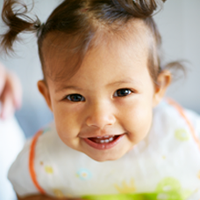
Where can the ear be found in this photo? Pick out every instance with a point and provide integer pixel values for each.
(42, 87)
(163, 81)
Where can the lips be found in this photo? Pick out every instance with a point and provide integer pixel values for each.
(104, 142)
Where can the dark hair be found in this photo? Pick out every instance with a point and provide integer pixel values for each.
(79, 21)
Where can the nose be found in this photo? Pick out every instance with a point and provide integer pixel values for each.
(100, 115)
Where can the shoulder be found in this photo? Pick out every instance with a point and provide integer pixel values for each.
(20, 171)
(173, 109)
(194, 119)
(168, 112)
(19, 174)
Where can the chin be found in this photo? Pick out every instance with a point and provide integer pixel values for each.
(102, 157)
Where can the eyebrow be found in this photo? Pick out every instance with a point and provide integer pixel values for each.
(128, 80)
(68, 87)
(122, 81)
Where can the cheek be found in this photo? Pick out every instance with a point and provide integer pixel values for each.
(138, 119)
(66, 119)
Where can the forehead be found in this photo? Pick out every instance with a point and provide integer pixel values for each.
(63, 55)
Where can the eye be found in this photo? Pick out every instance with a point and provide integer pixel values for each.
(75, 97)
(122, 92)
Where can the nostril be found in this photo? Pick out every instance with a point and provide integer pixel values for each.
(99, 122)
(100, 116)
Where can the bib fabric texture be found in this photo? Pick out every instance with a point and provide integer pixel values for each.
(164, 166)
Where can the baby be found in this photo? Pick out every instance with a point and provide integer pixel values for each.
(112, 137)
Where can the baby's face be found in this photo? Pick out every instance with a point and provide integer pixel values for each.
(106, 107)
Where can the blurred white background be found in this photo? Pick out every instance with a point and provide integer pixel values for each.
(180, 30)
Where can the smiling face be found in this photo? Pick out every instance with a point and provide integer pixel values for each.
(105, 108)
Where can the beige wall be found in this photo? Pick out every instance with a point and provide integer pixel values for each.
(180, 27)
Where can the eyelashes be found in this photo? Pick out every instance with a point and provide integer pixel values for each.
(78, 97)
(122, 92)
(75, 97)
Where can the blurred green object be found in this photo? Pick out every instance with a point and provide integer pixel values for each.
(167, 189)
(150, 196)
(144, 196)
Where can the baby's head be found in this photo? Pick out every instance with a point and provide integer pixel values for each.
(102, 74)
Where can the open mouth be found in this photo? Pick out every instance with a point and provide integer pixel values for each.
(104, 139)
(104, 142)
